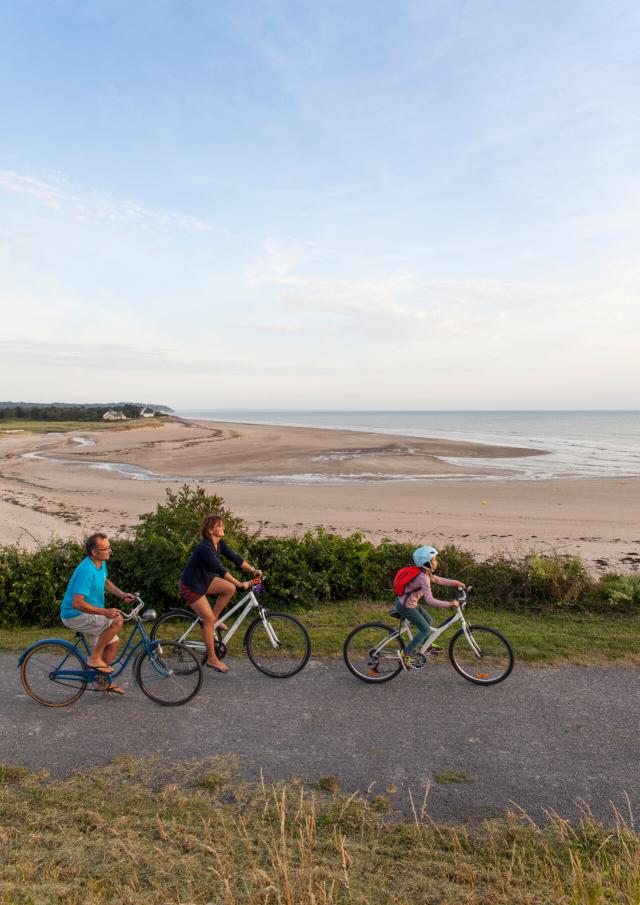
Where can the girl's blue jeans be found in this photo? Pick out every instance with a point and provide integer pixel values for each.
(421, 620)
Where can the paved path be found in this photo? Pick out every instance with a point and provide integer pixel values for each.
(544, 738)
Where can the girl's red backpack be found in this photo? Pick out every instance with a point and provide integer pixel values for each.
(403, 577)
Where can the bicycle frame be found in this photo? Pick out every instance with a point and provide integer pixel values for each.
(83, 650)
(249, 603)
(120, 663)
(405, 629)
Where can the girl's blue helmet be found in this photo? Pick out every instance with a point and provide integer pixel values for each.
(423, 556)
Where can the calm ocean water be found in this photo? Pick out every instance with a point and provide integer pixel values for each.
(577, 444)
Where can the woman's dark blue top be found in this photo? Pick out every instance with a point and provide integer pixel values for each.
(204, 564)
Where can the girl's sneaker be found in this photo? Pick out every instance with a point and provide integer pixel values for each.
(434, 650)
(405, 660)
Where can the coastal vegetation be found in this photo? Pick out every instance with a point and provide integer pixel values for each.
(21, 412)
(140, 832)
(36, 417)
(326, 575)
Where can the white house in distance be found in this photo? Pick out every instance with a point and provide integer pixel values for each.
(145, 413)
(114, 416)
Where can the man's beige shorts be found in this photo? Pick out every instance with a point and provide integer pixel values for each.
(90, 625)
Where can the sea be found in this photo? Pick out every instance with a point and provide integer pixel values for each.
(574, 444)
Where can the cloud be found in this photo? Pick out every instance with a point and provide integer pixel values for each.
(280, 257)
(157, 361)
(96, 207)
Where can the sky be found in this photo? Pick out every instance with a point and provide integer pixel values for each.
(321, 205)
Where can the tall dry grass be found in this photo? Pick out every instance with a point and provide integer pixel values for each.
(138, 834)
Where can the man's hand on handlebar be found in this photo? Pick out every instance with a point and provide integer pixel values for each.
(113, 613)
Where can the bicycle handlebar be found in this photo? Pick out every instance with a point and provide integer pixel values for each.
(134, 612)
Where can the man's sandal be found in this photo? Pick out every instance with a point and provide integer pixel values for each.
(115, 689)
(102, 670)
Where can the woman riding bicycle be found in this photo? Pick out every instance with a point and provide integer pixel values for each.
(407, 603)
(204, 574)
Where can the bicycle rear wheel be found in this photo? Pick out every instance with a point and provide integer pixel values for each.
(371, 652)
(45, 674)
(485, 660)
(280, 649)
(171, 675)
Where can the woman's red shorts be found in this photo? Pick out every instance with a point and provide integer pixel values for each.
(187, 594)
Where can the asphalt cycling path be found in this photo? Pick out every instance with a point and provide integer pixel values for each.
(552, 738)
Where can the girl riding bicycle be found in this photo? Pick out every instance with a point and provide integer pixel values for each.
(419, 587)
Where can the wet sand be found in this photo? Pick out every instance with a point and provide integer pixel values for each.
(598, 519)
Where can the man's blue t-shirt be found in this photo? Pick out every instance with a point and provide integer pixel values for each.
(88, 581)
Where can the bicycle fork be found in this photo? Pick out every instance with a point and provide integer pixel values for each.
(472, 642)
(271, 635)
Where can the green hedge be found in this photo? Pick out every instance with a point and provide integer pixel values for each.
(317, 567)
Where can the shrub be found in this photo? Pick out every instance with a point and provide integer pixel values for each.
(152, 562)
(32, 583)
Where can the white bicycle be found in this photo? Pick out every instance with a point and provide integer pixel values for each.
(478, 653)
(277, 644)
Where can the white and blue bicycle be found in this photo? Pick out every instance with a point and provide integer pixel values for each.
(478, 653)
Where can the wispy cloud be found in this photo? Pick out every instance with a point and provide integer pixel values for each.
(152, 361)
(96, 207)
(280, 257)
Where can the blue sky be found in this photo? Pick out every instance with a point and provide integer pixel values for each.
(320, 204)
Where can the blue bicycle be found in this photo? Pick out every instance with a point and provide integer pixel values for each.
(55, 672)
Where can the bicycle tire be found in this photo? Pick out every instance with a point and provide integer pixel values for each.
(284, 661)
(172, 626)
(37, 667)
(359, 652)
(497, 655)
(159, 675)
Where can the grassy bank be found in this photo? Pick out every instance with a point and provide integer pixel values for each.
(134, 834)
(47, 427)
(543, 639)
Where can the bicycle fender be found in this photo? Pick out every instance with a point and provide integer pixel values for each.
(59, 641)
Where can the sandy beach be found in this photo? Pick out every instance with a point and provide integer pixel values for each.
(42, 497)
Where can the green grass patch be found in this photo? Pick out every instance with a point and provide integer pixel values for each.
(453, 776)
(139, 834)
(538, 640)
(48, 427)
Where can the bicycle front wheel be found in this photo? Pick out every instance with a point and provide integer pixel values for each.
(485, 658)
(371, 652)
(53, 675)
(278, 645)
(171, 675)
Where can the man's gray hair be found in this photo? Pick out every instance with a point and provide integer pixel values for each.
(93, 540)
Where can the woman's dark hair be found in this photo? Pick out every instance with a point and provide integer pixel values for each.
(208, 524)
(92, 541)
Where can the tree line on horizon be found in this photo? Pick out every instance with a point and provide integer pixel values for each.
(64, 413)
